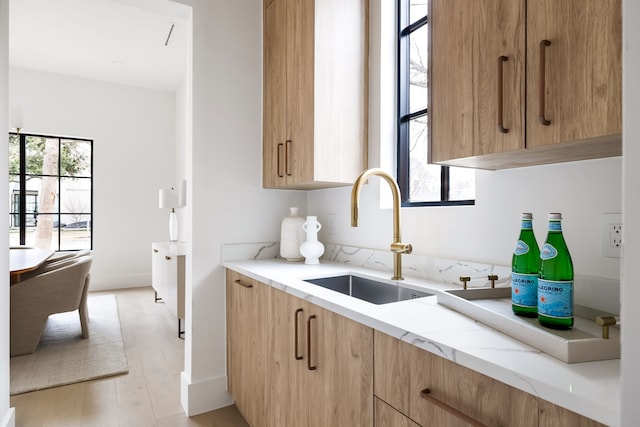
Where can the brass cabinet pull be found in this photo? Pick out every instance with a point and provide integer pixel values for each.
(278, 155)
(542, 83)
(501, 60)
(426, 395)
(288, 148)
(168, 258)
(244, 285)
(295, 321)
(155, 250)
(309, 366)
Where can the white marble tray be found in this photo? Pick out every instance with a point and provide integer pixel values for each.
(492, 307)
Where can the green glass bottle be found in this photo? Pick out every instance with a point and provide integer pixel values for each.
(555, 280)
(524, 270)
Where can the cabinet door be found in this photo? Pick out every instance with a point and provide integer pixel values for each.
(299, 141)
(157, 280)
(457, 395)
(274, 97)
(247, 355)
(477, 98)
(322, 372)
(169, 272)
(287, 399)
(340, 376)
(386, 416)
(582, 72)
(552, 415)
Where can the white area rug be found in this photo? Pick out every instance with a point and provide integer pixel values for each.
(64, 357)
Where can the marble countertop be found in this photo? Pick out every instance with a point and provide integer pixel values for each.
(589, 388)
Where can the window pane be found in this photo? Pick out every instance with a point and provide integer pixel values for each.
(417, 9)
(58, 180)
(14, 155)
(462, 184)
(424, 179)
(76, 195)
(76, 158)
(418, 69)
(42, 155)
(77, 232)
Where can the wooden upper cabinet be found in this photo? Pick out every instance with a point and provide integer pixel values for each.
(478, 101)
(582, 72)
(315, 92)
(477, 76)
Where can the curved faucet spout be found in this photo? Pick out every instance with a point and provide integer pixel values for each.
(397, 247)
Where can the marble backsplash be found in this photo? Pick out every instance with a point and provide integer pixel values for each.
(600, 293)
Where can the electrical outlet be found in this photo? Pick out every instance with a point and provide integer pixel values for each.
(615, 235)
(611, 235)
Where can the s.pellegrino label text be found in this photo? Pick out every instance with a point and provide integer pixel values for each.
(524, 290)
(555, 298)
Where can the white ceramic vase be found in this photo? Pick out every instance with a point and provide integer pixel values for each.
(291, 236)
(312, 249)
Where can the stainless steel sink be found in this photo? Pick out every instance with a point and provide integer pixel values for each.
(366, 289)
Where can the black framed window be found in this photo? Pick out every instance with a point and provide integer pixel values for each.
(421, 183)
(51, 192)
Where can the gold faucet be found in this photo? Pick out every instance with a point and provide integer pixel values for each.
(397, 247)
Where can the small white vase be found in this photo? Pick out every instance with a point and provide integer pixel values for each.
(312, 249)
(291, 236)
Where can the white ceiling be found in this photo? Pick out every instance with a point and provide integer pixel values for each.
(120, 41)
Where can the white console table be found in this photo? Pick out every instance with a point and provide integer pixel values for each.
(167, 277)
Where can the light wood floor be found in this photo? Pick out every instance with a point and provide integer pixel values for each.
(149, 395)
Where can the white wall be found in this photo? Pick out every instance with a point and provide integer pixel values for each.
(226, 203)
(7, 415)
(630, 293)
(486, 232)
(134, 137)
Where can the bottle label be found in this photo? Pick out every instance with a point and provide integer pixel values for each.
(527, 224)
(548, 252)
(521, 248)
(524, 290)
(555, 226)
(555, 298)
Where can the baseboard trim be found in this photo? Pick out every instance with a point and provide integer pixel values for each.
(203, 396)
(9, 419)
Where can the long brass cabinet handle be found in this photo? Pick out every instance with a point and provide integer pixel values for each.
(278, 155)
(309, 366)
(244, 285)
(295, 321)
(501, 60)
(287, 163)
(426, 395)
(542, 83)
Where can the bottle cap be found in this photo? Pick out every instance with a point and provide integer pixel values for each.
(527, 215)
(555, 216)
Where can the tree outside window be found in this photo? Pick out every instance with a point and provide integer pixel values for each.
(50, 183)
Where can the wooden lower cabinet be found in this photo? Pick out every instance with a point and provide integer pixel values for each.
(291, 363)
(247, 342)
(457, 396)
(386, 416)
(553, 415)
